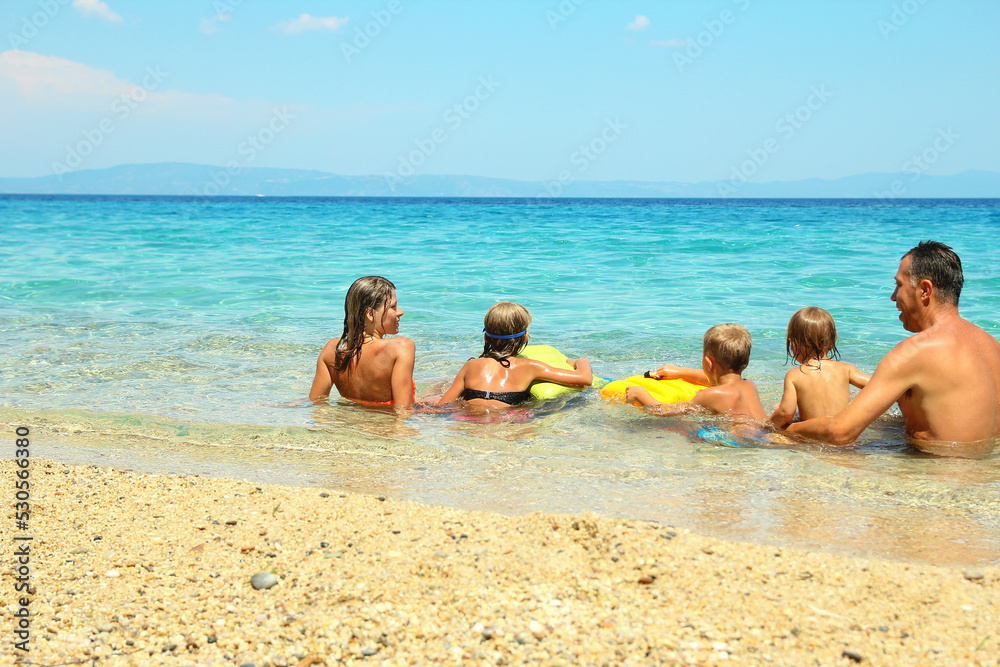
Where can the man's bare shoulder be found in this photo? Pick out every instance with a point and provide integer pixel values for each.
(956, 335)
(938, 349)
(917, 347)
(968, 330)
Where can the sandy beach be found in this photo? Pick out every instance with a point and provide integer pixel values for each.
(137, 569)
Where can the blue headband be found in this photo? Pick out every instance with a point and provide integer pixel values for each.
(517, 335)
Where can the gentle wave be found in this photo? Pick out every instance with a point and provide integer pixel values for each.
(181, 333)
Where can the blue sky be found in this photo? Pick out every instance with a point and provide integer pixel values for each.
(600, 90)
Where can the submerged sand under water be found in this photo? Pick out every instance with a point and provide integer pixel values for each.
(870, 502)
(136, 569)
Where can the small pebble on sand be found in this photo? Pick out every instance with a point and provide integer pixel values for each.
(263, 580)
(456, 587)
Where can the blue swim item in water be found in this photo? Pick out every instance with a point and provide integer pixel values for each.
(714, 434)
(517, 335)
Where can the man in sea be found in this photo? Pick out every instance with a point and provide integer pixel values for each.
(946, 377)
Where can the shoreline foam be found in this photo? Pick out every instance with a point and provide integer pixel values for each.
(396, 582)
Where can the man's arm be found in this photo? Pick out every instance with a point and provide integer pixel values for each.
(323, 382)
(893, 377)
(402, 373)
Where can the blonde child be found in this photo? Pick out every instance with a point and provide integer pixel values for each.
(820, 386)
(725, 353)
(498, 378)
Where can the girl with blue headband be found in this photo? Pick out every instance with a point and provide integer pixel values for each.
(498, 378)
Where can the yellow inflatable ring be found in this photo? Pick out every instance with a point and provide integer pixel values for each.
(665, 391)
(553, 357)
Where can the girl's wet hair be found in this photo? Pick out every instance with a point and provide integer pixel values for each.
(813, 334)
(364, 293)
(505, 319)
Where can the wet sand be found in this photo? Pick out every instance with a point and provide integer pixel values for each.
(139, 569)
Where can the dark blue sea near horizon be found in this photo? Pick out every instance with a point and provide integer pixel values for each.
(176, 334)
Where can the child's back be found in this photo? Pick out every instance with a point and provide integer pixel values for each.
(819, 386)
(725, 354)
(817, 389)
(499, 378)
(734, 397)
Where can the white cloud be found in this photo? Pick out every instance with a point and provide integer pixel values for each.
(308, 22)
(31, 80)
(37, 76)
(51, 105)
(208, 26)
(98, 8)
(671, 43)
(640, 23)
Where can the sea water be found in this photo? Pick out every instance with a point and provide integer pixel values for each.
(177, 334)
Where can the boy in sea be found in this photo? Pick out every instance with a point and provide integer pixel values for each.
(725, 354)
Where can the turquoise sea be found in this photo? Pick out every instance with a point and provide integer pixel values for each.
(177, 334)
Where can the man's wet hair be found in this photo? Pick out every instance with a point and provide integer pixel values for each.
(938, 263)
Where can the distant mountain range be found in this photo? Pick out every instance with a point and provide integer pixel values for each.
(175, 178)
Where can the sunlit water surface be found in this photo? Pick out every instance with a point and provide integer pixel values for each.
(178, 335)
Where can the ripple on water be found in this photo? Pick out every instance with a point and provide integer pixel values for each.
(162, 312)
(827, 281)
